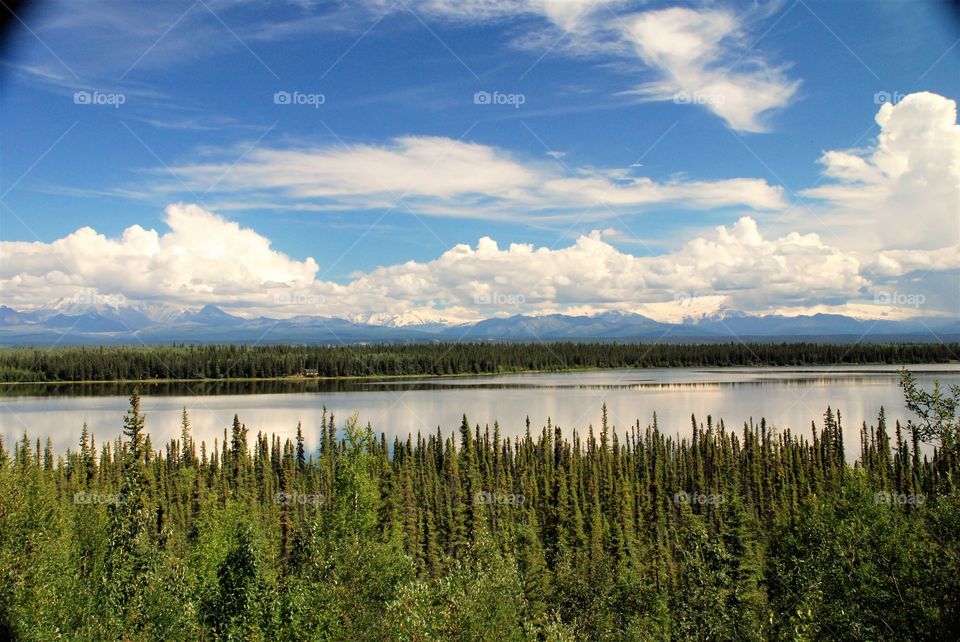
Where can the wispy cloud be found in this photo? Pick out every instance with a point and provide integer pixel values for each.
(702, 60)
(693, 56)
(445, 177)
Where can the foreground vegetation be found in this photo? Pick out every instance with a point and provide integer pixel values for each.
(232, 361)
(612, 534)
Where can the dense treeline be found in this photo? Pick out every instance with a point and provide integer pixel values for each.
(619, 534)
(227, 361)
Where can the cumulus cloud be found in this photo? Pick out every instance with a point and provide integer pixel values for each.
(903, 192)
(896, 263)
(204, 258)
(735, 268)
(446, 177)
(898, 200)
(753, 272)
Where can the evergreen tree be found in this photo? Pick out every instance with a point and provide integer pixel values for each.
(130, 555)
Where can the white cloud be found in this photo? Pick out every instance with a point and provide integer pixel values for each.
(445, 177)
(698, 56)
(568, 14)
(689, 50)
(204, 258)
(904, 191)
(754, 273)
(695, 52)
(412, 166)
(896, 263)
(897, 200)
(565, 14)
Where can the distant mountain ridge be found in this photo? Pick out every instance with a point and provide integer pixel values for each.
(77, 323)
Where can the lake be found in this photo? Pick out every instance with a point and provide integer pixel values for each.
(786, 397)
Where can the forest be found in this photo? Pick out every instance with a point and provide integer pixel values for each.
(610, 533)
(271, 361)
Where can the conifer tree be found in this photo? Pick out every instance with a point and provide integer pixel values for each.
(129, 555)
(188, 453)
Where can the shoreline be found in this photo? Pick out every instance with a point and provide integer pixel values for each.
(302, 379)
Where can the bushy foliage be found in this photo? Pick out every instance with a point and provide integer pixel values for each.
(220, 362)
(747, 534)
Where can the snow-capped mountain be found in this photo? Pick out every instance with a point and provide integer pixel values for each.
(107, 310)
(398, 320)
(208, 315)
(79, 322)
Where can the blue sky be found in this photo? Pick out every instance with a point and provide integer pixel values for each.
(627, 131)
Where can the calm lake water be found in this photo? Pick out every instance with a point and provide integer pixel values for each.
(786, 397)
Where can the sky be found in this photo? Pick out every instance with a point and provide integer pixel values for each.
(456, 160)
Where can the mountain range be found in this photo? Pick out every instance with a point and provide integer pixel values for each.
(72, 323)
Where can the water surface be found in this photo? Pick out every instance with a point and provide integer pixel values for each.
(787, 397)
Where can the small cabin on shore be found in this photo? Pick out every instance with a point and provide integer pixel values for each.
(309, 372)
